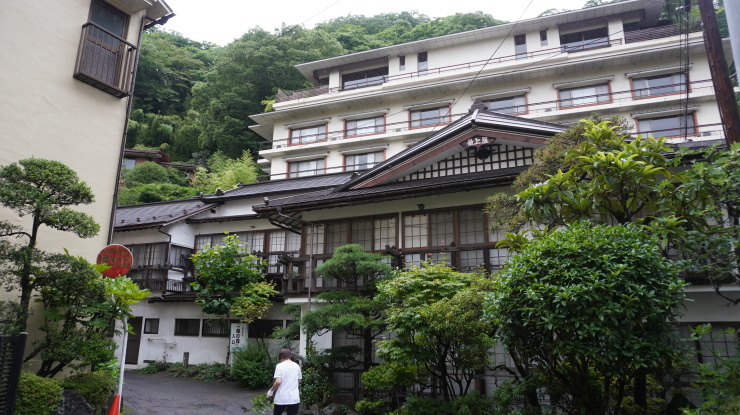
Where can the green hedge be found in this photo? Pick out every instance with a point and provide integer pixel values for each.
(96, 388)
(37, 395)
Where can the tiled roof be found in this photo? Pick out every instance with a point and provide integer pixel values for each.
(485, 119)
(393, 191)
(283, 186)
(155, 214)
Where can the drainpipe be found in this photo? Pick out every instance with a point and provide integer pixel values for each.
(129, 105)
(166, 248)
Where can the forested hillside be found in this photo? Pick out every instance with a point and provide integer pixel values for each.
(194, 99)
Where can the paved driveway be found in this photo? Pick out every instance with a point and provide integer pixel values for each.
(164, 395)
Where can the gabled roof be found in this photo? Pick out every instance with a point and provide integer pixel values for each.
(381, 182)
(153, 215)
(505, 129)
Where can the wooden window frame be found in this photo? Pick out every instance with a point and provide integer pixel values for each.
(317, 172)
(442, 119)
(635, 90)
(695, 125)
(597, 96)
(346, 165)
(320, 136)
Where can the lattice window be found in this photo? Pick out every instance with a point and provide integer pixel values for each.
(362, 234)
(336, 235)
(497, 257)
(471, 260)
(216, 328)
(466, 162)
(187, 327)
(415, 231)
(472, 227)
(385, 233)
(443, 228)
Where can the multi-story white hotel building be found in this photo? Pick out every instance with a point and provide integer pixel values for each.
(384, 152)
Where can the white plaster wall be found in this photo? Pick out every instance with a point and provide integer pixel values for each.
(165, 345)
(48, 114)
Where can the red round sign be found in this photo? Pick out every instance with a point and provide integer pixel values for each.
(118, 257)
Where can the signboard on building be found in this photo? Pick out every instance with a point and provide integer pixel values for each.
(238, 337)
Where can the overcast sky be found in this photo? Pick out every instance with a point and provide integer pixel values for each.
(222, 21)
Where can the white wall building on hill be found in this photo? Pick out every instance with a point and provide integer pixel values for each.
(382, 152)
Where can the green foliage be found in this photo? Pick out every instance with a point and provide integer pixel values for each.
(10, 313)
(37, 395)
(316, 385)
(593, 305)
(260, 404)
(223, 273)
(436, 314)
(96, 388)
(226, 174)
(206, 372)
(253, 366)
(367, 407)
(153, 367)
(150, 172)
(719, 378)
(153, 192)
(415, 405)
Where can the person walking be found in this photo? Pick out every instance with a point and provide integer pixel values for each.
(285, 387)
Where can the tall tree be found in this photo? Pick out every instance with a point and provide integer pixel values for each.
(589, 307)
(436, 315)
(45, 190)
(354, 310)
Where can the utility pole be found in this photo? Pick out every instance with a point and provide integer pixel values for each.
(720, 76)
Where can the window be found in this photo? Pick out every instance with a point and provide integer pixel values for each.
(128, 164)
(280, 243)
(307, 134)
(659, 85)
(402, 63)
(415, 231)
(430, 117)
(263, 329)
(422, 64)
(584, 40)
(362, 161)
(306, 168)
(671, 126)
(585, 95)
(179, 256)
(520, 46)
(365, 78)
(216, 328)
(151, 326)
(104, 55)
(510, 105)
(187, 326)
(385, 233)
(365, 126)
(543, 37)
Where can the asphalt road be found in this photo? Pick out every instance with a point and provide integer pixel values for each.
(164, 395)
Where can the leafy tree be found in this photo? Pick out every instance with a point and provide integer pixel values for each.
(354, 311)
(250, 70)
(612, 180)
(230, 282)
(151, 172)
(79, 308)
(149, 182)
(45, 190)
(589, 307)
(226, 174)
(436, 314)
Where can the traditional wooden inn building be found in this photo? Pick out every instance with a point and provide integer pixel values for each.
(397, 148)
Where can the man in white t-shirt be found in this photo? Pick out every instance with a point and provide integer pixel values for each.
(285, 388)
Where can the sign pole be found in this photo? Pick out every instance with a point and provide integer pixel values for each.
(120, 260)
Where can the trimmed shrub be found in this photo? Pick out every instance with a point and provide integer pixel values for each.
(253, 367)
(96, 388)
(37, 395)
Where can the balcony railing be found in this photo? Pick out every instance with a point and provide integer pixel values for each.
(283, 96)
(531, 110)
(653, 33)
(105, 61)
